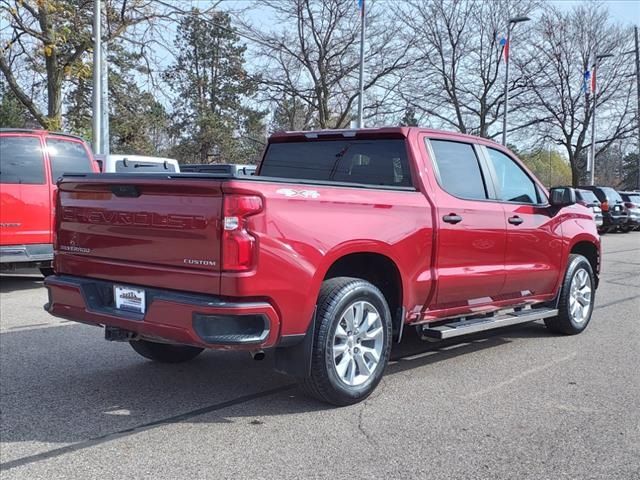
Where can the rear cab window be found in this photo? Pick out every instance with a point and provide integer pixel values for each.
(67, 156)
(358, 161)
(611, 195)
(21, 160)
(588, 196)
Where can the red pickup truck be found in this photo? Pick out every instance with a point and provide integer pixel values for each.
(342, 241)
(30, 163)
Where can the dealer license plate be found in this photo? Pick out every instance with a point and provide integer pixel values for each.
(129, 299)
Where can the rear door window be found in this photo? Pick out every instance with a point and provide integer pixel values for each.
(368, 162)
(67, 157)
(588, 196)
(21, 160)
(458, 169)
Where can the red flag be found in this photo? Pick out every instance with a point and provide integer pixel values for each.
(506, 51)
(593, 79)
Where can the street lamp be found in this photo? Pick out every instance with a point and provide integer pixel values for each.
(594, 68)
(512, 21)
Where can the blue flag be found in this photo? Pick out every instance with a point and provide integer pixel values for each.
(585, 82)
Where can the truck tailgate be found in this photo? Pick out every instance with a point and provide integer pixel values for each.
(142, 229)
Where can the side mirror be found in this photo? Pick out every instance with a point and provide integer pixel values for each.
(562, 196)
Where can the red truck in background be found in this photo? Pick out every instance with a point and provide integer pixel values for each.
(31, 161)
(343, 240)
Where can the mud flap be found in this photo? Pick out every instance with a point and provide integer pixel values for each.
(293, 354)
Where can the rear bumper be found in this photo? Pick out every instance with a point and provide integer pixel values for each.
(40, 252)
(170, 316)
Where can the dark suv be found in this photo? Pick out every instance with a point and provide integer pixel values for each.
(632, 202)
(614, 213)
(589, 200)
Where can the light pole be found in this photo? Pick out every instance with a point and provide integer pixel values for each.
(96, 127)
(363, 25)
(594, 86)
(637, 52)
(512, 21)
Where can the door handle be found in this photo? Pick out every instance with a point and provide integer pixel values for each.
(452, 218)
(515, 220)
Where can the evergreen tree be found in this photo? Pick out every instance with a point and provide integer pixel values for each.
(212, 120)
(13, 114)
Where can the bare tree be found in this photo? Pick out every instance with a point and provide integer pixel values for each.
(563, 48)
(310, 57)
(457, 74)
(45, 42)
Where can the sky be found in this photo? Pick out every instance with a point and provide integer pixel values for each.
(627, 12)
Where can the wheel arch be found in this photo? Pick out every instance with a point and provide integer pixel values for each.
(350, 260)
(591, 251)
(378, 269)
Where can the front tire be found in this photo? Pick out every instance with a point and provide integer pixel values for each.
(164, 352)
(352, 342)
(577, 296)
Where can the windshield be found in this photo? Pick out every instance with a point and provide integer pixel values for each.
(633, 198)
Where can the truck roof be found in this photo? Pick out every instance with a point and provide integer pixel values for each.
(379, 132)
(36, 131)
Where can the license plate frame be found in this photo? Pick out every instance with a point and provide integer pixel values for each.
(129, 299)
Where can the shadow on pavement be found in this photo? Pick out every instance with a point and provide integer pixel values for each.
(66, 385)
(12, 283)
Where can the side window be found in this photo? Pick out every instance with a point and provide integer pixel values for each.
(67, 157)
(514, 185)
(458, 169)
(21, 160)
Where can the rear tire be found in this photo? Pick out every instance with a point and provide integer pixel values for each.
(577, 296)
(164, 352)
(352, 342)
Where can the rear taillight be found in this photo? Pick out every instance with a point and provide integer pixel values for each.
(629, 205)
(238, 245)
(604, 206)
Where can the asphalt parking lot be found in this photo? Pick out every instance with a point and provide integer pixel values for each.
(516, 403)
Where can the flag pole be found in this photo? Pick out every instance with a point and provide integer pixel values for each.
(361, 79)
(592, 164)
